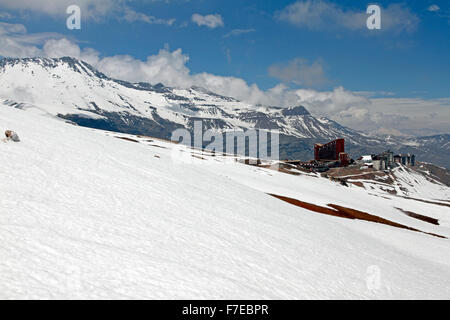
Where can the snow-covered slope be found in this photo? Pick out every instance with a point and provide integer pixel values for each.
(84, 214)
(408, 182)
(75, 91)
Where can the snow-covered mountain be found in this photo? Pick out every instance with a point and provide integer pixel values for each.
(74, 90)
(86, 214)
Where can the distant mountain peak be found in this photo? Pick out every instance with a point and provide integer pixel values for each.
(49, 63)
(41, 61)
(208, 92)
(296, 111)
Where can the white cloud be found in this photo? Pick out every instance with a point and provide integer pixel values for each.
(299, 72)
(61, 48)
(318, 15)
(382, 115)
(433, 8)
(14, 41)
(331, 103)
(90, 9)
(165, 67)
(9, 28)
(6, 15)
(375, 94)
(133, 16)
(211, 20)
(238, 32)
(414, 116)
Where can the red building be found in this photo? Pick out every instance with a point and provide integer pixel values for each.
(331, 151)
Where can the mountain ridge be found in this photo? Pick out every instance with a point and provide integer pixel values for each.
(74, 90)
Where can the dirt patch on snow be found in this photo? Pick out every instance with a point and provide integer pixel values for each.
(348, 213)
(128, 139)
(156, 146)
(358, 184)
(420, 216)
(428, 201)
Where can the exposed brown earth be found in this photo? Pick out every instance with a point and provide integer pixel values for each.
(197, 157)
(286, 170)
(128, 139)
(156, 146)
(356, 172)
(428, 201)
(152, 139)
(358, 184)
(420, 217)
(343, 212)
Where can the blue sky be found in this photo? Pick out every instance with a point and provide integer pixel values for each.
(306, 45)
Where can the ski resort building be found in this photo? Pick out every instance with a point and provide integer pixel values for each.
(405, 159)
(383, 161)
(386, 160)
(331, 151)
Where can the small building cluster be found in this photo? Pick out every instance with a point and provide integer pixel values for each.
(382, 161)
(332, 155)
(386, 160)
(326, 156)
(405, 159)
